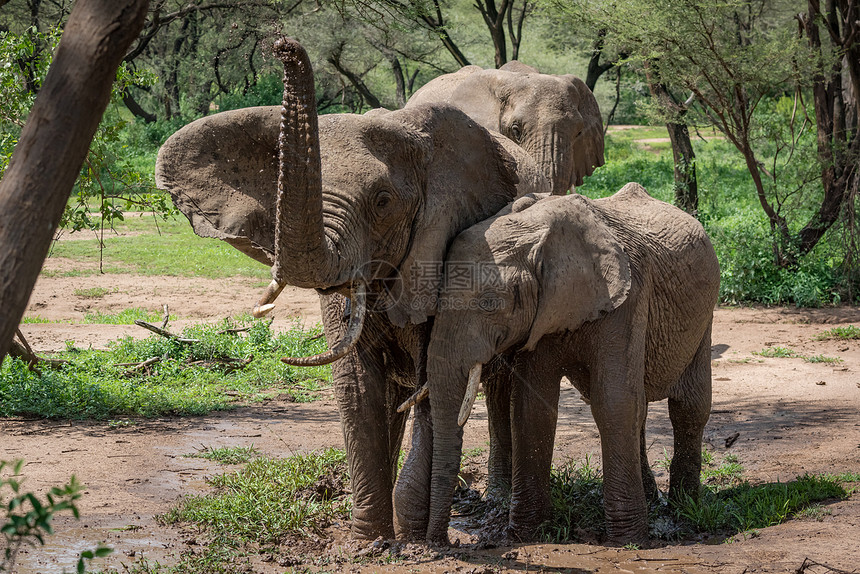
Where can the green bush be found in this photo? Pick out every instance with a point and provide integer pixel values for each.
(186, 378)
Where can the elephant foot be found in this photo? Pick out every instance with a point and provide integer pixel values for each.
(624, 534)
(524, 526)
(410, 529)
(363, 529)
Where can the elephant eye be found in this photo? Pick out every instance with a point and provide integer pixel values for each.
(383, 200)
(516, 133)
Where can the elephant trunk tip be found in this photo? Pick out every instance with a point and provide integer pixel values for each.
(288, 49)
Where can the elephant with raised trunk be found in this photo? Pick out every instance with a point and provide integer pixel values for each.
(345, 204)
(555, 119)
(616, 294)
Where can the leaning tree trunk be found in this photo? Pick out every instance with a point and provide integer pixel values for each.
(54, 143)
(686, 183)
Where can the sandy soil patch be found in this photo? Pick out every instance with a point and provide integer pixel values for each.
(791, 417)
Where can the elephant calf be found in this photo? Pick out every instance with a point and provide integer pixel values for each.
(616, 294)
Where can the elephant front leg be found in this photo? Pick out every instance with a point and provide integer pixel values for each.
(618, 405)
(534, 413)
(372, 437)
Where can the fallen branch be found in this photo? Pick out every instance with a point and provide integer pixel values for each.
(229, 363)
(807, 563)
(233, 330)
(164, 333)
(138, 366)
(23, 351)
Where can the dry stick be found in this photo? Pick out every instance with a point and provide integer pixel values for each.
(164, 333)
(139, 366)
(807, 563)
(230, 363)
(166, 317)
(233, 330)
(24, 351)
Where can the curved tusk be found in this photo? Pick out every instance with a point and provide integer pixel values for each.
(264, 305)
(416, 398)
(353, 331)
(471, 394)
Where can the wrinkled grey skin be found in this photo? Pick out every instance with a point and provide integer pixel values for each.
(555, 119)
(616, 294)
(395, 189)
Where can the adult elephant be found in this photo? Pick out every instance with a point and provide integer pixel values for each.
(348, 204)
(555, 119)
(616, 294)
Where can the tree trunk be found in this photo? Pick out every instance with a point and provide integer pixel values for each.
(355, 80)
(595, 68)
(686, 183)
(54, 143)
(135, 108)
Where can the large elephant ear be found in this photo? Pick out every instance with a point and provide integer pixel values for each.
(588, 145)
(222, 173)
(468, 177)
(582, 269)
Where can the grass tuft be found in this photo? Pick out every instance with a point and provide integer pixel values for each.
(745, 507)
(124, 317)
(776, 352)
(187, 379)
(576, 491)
(91, 292)
(272, 499)
(850, 332)
(228, 454)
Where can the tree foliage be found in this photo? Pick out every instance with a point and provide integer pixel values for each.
(740, 60)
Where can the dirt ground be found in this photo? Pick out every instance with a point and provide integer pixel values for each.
(790, 417)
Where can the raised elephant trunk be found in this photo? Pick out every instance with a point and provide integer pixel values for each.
(303, 255)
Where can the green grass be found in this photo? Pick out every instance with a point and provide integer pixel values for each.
(822, 359)
(786, 353)
(777, 352)
(96, 384)
(161, 247)
(228, 454)
(124, 317)
(91, 292)
(267, 503)
(35, 319)
(746, 507)
(848, 333)
(576, 491)
(728, 504)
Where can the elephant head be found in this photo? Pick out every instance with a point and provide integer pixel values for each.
(555, 119)
(331, 200)
(535, 269)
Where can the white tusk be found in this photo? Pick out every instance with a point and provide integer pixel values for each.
(265, 303)
(471, 394)
(416, 398)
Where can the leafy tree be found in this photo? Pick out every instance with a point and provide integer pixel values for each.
(738, 58)
(54, 142)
